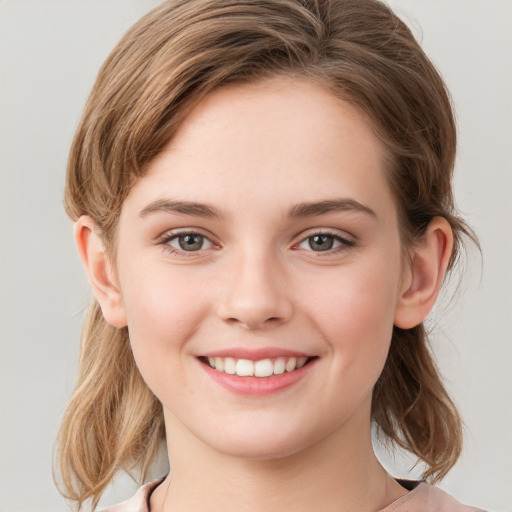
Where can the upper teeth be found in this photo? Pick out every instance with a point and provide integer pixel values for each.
(262, 368)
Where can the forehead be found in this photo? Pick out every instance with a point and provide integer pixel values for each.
(277, 141)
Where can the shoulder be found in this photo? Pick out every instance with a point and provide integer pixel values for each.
(139, 502)
(423, 497)
(420, 498)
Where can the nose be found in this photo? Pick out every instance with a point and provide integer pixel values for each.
(255, 294)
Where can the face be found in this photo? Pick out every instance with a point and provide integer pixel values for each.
(259, 265)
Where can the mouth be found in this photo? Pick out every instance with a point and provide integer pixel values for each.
(262, 368)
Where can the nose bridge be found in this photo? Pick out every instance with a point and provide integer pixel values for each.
(255, 294)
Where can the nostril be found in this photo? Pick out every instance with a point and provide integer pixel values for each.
(254, 323)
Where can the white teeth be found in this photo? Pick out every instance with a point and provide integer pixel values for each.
(261, 368)
(244, 368)
(279, 365)
(230, 365)
(291, 364)
(264, 368)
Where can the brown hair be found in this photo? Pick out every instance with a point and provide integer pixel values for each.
(163, 66)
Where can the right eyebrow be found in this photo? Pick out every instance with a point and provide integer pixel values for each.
(181, 207)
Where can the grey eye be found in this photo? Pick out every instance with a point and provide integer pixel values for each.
(190, 242)
(320, 242)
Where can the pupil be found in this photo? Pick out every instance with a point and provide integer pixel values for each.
(321, 242)
(191, 242)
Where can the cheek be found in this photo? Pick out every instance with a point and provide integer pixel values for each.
(162, 314)
(355, 315)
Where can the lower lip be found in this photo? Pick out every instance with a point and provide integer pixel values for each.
(258, 386)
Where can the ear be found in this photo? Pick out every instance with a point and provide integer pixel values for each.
(424, 274)
(100, 271)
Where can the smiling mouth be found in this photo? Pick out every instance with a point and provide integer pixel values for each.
(261, 368)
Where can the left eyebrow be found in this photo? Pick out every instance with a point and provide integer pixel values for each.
(329, 206)
(181, 207)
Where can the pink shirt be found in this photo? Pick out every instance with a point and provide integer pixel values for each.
(420, 498)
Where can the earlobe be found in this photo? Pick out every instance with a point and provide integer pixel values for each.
(424, 275)
(99, 270)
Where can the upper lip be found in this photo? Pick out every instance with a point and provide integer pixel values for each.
(256, 354)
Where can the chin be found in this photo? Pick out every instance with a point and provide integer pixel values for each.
(262, 446)
(260, 452)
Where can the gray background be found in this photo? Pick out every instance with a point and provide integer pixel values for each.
(50, 51)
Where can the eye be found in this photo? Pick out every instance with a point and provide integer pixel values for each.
(322, 242)
(189, 242)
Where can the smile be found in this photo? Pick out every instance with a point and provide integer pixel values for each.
(262, 368)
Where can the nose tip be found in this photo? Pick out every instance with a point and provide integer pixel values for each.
(256, 297)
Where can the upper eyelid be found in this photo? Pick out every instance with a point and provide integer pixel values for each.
(341, 235)
(174, 233)
(169, 234)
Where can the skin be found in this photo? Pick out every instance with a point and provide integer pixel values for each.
(254, 154)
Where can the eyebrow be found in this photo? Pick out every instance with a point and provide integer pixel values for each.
(329, 206)
(300, 210)
(181, 207)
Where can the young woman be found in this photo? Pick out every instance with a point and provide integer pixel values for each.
(263, 204)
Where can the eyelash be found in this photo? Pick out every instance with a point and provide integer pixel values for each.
(345, 242)
(164, 241)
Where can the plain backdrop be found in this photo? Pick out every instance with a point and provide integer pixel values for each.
(50, 52)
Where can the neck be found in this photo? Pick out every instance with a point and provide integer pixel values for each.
(339, 472)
